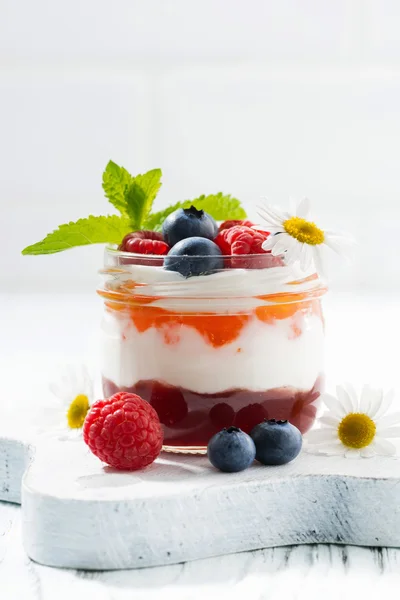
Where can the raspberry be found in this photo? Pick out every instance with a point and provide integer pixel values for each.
(146, 234)
(124, 431)
(240, 240)
(144, 242)
(233, 222)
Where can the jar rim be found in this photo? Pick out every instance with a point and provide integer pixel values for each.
(114, 251)
(129, 277)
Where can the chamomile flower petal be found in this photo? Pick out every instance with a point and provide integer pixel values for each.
(329, 421)
(292, 254)
(375, 402)
(272, 215)
(335, 407)
(345, 399)
(352, 453)
(388, 420)
(324, 434)
(344, 238)
(368, 451)
(319, 261)
(381, 406)
(384, 447)
(369, 396)
(305, 258)
(271, 228)
(336, 243)
(281, 244)
(261, 228)
(349, 387)
(270, 242)
(330, 449)
(271, 222)
(388, 432)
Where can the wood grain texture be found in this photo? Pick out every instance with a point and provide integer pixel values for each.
(79, 514)
(14, 456)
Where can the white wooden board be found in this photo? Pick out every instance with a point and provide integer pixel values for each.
(78, 513)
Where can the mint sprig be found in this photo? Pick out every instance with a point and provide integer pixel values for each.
(92, 230)
(140, 195)
(133, 197)
(115, 182)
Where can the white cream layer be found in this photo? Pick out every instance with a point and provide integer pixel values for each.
(227, 291)
(269, 356)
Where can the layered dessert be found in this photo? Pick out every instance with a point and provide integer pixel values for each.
(232, 347)
(211, 318)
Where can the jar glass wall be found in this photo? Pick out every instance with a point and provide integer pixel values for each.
(229, 348)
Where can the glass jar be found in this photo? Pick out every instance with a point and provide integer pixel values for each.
(232, 347)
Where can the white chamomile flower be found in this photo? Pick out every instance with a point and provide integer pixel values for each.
(298, 238)
(356, 426)
(74, 392)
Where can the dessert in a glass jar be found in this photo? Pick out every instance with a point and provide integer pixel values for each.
(212, 319)
(215, 333)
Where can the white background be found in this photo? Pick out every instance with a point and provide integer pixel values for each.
(255, 98)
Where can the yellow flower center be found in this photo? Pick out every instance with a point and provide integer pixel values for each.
(77, 411)
(304, 231)
(356, 430)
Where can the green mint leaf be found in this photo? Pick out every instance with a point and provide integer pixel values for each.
(115, 182)
(93, 230)
(140, 195)
(220, 206)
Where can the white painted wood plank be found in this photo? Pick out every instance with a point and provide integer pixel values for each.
(302, 572)
(88, 516)
(14, 456)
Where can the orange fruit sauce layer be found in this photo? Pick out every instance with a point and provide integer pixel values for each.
(216, 329)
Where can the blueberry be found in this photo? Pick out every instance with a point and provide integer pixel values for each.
(277, 442)
(194, 256)
(215, 225)
(188, 222)
(231, 450)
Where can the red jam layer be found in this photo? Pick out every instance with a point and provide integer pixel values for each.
(191, 419)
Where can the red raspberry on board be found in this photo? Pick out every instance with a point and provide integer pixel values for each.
(144, 242)
(123, 431)
(233, 222)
